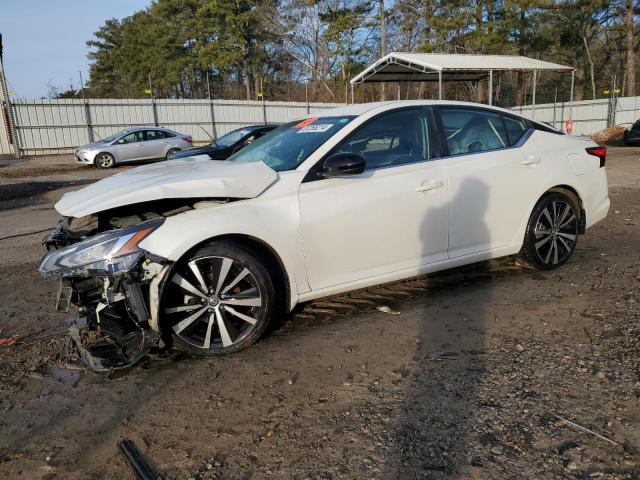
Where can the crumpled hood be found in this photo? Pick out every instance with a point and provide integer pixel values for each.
(192, 177)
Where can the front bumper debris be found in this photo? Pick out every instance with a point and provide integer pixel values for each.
(114, 320)
(113, 327)
(111, 352)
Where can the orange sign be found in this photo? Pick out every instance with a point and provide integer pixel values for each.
(569, 126)
(305, 122)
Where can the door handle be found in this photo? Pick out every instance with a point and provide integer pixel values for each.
(430, 185)
(530, 160)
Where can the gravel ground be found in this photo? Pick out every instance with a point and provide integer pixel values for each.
(482, 372)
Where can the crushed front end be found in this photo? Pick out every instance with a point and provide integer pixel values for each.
(110, 282)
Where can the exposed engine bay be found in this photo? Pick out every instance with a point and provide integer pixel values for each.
(111, 284)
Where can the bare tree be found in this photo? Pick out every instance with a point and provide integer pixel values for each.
(630, 71)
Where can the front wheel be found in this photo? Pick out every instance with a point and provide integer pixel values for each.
(552, 232)
(218, 300)
(105, 160)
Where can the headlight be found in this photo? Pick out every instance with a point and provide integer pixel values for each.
(105, 254)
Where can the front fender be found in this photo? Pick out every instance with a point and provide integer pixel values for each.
(275, 222)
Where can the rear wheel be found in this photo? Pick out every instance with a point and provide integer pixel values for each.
(217, 301)
(552, 232)
(171, 152)
(104, 160)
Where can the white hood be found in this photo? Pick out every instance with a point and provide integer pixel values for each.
(192, 177)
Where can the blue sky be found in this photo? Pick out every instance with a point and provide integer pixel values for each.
(44, 40)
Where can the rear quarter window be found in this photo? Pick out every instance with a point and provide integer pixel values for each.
(516, 128)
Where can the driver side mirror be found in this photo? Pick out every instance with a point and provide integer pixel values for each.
(343, 164)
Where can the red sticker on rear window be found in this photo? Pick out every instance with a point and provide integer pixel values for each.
(305, 122)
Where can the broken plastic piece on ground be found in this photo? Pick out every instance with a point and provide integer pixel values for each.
(386, 309)
(7, 341)
(113, 353)
(136, 460)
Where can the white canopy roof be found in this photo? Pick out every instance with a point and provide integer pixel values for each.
(398, 66)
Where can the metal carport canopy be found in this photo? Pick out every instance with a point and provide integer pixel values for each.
(439, 67)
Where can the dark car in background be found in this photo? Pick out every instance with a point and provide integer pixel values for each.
(632, 135)
(228, 144)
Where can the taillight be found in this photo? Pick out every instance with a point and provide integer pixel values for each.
(187, 139)
(600, 152)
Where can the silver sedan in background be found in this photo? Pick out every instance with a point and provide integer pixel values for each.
(133, 144)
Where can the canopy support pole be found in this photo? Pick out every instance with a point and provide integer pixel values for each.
(439, 84)
(490, 87)
(573, 78)
(352, 97)
(533, 96)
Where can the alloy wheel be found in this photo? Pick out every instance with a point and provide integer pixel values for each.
(105, 160)
(213, 302)
(556, 231)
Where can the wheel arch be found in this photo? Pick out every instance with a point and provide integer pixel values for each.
(567, 190)
(560, 188)
(273, 262)
(265, 252)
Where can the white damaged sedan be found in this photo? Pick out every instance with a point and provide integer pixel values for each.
(202, 255)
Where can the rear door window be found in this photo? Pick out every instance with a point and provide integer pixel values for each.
(470, 130)
(155, 134)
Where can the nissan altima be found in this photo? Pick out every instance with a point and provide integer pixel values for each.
(202, 255)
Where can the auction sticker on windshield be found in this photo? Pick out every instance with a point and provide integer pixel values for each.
(318, 128)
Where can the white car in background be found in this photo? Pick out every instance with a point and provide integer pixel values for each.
(132, 145)
(204, 254)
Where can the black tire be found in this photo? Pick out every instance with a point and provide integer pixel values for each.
(171, 152)
(552, 231)
(104, 160)
(222, 311)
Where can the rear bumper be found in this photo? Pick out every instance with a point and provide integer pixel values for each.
(594, 215)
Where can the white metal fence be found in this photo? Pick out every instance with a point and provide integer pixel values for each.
(57, 126)
(588, 116)
(48, 126)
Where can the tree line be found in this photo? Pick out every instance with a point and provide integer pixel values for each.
(309, 49)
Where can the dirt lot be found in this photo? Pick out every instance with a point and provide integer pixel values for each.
(466, 374)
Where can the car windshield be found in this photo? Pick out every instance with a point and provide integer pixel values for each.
(111, 138)
(286, 147)
(231, 138)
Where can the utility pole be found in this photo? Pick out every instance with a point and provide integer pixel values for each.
(87, 113)
(613, 101)
(153, 103)
(5, 106)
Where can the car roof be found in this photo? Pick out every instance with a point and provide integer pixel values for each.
(357, 109)
(257, 127)
(135, 129)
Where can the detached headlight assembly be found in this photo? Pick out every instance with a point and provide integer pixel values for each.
(103, 255)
